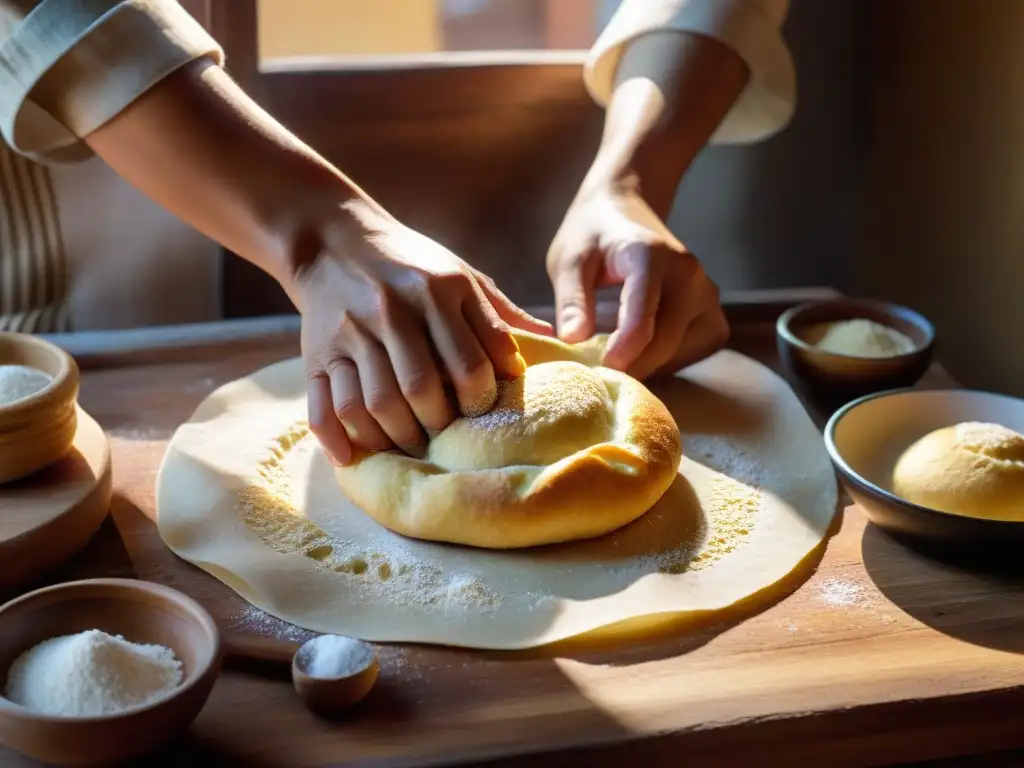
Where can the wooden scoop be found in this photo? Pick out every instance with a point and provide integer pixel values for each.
(328, 696)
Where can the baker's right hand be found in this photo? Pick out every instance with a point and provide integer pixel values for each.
(389, 317)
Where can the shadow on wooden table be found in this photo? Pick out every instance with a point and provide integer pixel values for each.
(981, 607)
(104, 557)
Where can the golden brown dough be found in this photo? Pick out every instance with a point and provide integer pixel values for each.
(571, 450)
(974, 469)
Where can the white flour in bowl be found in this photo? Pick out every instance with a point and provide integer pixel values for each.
(91, 674)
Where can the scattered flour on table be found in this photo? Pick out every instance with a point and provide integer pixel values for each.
(20, 381)
(333, 656)
(91, 674)
(250, 620)
(138, 433)
(841, 593)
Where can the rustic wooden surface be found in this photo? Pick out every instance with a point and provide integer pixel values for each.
(53, 514)
(879, 656)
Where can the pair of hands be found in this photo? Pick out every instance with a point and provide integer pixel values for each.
(394, 324)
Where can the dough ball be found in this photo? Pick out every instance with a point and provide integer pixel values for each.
(974, 469)
(571, 450)
(552, 411)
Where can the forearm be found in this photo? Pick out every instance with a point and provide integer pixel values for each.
(200, 147)
(672, 90)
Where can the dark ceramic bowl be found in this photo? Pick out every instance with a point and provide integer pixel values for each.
(866, 437)
(833, 375)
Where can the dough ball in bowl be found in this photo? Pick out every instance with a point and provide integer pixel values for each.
(571, 450)
(974, 469)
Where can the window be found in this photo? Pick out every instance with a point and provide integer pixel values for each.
(364, 30)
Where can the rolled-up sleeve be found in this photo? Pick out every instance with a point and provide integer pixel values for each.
(69, 66)
(752, 28)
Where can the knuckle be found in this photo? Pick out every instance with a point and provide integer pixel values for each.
(443, 287)
(721, 331)
(578, 259)
(380, 400)
(472, 369)
(348, 407)
(318, 422)
(416, 383)
(688, 266)
(568, 259)
(384, 303)
(346, 324)
(334, 362)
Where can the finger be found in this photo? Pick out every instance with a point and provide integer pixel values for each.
(574, 281)
(384, 400)
(350, 410)
(323, 423)
(687, 294)
(707, 334)
(418, 378)
(644, 278)
(494, 336)
(511, 313)
(468, 365)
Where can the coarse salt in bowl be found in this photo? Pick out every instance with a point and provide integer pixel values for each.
(142, 613)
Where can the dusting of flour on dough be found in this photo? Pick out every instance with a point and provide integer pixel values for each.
(267, 506)
(730, 517)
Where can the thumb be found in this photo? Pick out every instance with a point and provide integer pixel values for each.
(574, 281)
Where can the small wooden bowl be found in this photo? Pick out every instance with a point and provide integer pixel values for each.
(38, 430)
(326, 696)
(139, 611)
(833, 375)
(333, 696)
(865, 439)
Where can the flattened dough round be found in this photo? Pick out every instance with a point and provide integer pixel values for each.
(246, 494)
(973, 468)
(568, 452)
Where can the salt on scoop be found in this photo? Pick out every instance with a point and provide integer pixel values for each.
(332, 673)
(91, 674)
(334, 656)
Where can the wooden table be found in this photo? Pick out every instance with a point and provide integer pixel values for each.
(878, 656)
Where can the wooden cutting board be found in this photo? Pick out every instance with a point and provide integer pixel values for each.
(878, 655)
(51, 515)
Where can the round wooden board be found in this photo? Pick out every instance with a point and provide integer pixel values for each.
(47, 518)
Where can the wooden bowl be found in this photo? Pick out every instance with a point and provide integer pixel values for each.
(865, 439)
(37, 430)
(139, 611)
(830, 374)
(333, 696)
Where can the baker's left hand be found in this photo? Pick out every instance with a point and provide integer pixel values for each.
(669, 313)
